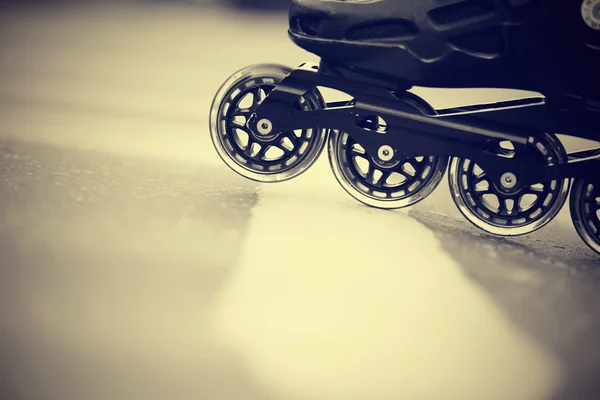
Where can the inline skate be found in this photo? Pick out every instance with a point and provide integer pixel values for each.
(508, 172)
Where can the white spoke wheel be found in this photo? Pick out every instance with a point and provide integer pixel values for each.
(382, 184)
(273, 157)
(502, 210)
(585, 212)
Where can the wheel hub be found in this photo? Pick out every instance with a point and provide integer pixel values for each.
(261, 130)
(508, 180)
(385, 153)
(385, 158)
(508, 184)
(264, 126)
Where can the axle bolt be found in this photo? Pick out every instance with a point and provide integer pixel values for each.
(385, 153)
(508, 180)
(264, 126)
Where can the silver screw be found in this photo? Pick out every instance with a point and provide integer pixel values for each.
(385, 153)
(508, 180)
(264, 126)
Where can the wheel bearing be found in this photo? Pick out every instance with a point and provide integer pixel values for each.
(264, 126)
(385, 153)
(508, 180)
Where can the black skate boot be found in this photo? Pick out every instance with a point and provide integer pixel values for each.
(540, 45)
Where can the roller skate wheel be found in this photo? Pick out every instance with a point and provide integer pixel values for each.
(590, 12)
(499, 206)
(585, 212)
(385, 153)
(264, 126)
(257, 152)
(382, 184)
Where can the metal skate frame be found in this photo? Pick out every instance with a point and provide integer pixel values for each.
(413, 128)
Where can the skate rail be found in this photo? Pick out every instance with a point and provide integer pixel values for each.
(490, 107)
(413, 127)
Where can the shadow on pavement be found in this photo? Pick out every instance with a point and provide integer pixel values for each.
(528, 277)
